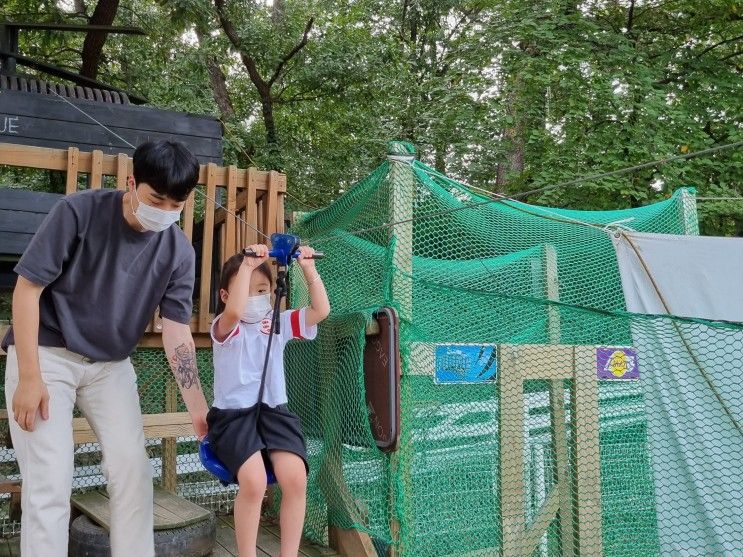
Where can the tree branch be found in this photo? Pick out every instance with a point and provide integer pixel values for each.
(299, 46)
(712, 47)
(247, 59)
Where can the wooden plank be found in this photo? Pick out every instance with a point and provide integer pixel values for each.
(280, 212)
(20, 222)
(206, 252)
(123, 119)
(251, 236)
(12, 199)
(586, 454)
(226, 537)
(169, 445)
(562, 465)
(122, 171)
(230, 239)
(540, 361)
(169, 511)
(172, 511)
(34, 157)
(349, 543)
(542, 521)
(94, 505)
(307, 548)
(553, 293)
(177, 424)
(73, 157)
(188, 210)
(226, 524)
(96, 170)
(88, 137)
(271, 206)
(511, 432)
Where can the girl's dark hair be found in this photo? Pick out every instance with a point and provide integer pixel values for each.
(167, 166)
(229, 270)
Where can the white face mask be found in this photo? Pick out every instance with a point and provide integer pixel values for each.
(257, 308)
(152, 218)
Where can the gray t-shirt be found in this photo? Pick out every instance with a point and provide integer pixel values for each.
(104, 280)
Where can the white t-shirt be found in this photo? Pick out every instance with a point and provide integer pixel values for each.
(238, 360)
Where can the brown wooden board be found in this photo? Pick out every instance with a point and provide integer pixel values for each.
(170, 511)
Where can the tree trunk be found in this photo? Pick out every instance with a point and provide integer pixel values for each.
(104, 14)
(218, 81)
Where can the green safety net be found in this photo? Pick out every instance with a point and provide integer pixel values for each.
(537, 458)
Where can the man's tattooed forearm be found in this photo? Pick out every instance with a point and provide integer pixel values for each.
(184, 366)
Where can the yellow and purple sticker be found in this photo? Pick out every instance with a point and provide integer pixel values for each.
(616, 363)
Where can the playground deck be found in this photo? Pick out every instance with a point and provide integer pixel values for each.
(268, 542)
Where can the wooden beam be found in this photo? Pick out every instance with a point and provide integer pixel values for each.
(586, 454)
(96, 170)
(76, 78)
(271, 206)
(542, 521)
(511, 432)
(348, 543)
(73, 158)
(562, 465)
(122, 171)
(229, 244)
(188, 216)
(251, 236)
(169, 424)
(206, 251)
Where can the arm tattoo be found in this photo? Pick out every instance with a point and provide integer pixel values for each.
(184, 366)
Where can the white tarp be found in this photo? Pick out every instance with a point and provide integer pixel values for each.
(692, 379)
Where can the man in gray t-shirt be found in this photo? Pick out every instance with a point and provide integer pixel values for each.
(89, 282)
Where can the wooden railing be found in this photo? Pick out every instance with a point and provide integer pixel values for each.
(256, 197)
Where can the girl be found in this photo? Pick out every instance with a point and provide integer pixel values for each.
(249, 442)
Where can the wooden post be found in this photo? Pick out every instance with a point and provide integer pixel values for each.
(122, 171)
(688, 210)
(511, 429)
(586, 455)
(188, 210)
(557, 407)
(206, 249)
(402, 193)
(73, 160)
(251, 236)
(270, 206)
(96, 170)
(169, 444)
(230, 242)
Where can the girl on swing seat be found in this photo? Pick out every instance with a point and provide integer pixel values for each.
(248, 440)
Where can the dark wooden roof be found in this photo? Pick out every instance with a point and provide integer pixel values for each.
(43, 114)
(33, 85)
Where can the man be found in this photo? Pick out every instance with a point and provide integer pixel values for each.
(88, 284)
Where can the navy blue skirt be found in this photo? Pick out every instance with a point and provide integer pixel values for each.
(237, 434)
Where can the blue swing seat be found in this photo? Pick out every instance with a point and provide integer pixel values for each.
(215, 466)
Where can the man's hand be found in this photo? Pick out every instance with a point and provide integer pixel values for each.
(199, 424)
(31, 396)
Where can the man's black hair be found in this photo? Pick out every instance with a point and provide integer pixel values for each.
(168, 167)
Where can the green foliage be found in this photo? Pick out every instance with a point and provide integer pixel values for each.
(567, 88)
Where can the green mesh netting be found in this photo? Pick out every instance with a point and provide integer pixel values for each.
(540, 284)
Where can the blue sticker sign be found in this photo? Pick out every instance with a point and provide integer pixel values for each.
(465, 363)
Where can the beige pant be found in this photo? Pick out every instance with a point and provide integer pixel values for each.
(106, 393)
